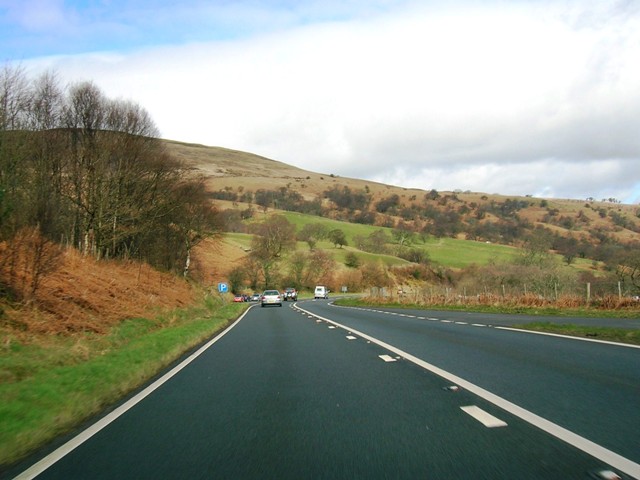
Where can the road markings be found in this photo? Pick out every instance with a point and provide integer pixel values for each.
(483, 417)
(582, 339)
(519, 330)
(387, 358)
(598, 451)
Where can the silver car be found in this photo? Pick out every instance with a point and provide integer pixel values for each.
(271, 297)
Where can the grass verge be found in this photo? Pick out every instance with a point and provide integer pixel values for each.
(620, 335)
(49, 388)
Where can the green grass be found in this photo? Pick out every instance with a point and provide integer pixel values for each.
(240, 239)
(48, 389)
(448, 252)
(455, 253)
(621, 335)
(351, 230)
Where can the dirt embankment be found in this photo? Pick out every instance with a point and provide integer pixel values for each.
(81, 294)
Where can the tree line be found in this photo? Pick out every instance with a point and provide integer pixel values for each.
(454, 218)
(88, 171)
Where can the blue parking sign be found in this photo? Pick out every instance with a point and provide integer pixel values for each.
(223, 288)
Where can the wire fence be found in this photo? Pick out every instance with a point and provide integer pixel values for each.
(591, 294)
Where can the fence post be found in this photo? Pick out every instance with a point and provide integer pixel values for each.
(619, 290)
(588, 293)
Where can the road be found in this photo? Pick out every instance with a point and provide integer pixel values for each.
(286, 393)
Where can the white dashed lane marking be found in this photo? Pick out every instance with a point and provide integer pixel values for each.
(582, 443)
(483, 417)
(387, 358)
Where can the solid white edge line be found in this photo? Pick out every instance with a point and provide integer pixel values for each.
(570, 337)
(40, 466)
(612, 458)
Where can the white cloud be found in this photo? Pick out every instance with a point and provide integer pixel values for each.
(511, 98)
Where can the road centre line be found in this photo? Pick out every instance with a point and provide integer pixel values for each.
(608, 456)
(483, 417)
(387, 358)
(519, 330)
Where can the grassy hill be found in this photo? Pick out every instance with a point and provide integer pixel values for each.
(486, 221)
(241, 172)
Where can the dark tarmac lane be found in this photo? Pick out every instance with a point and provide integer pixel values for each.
(285, 394)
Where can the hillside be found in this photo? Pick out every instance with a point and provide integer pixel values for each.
(86, 295)
(469, 242)
(236, 170)
(236, 173)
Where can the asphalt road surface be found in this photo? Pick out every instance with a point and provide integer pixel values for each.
(288, 393)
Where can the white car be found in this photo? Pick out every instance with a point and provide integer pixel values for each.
(321, 292)
(271, 297)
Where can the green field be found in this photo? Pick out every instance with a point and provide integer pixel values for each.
(448, 252)
(454, 253)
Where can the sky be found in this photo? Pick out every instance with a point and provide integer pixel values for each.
(520, 97)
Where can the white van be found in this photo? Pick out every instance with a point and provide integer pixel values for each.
(321, 292)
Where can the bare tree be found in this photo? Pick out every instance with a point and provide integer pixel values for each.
(14, 98)
(90, 171)
(25, 260)
(628, 268)
(320, 268)
(271, 238)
